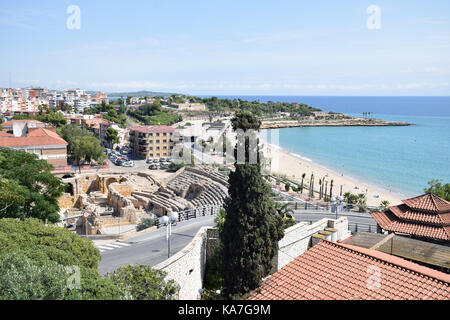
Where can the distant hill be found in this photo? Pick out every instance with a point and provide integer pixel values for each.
(142, 93)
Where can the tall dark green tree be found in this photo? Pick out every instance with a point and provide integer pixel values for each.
(252, 228)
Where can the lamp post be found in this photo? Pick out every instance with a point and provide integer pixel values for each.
(333, 205)
(168, 220)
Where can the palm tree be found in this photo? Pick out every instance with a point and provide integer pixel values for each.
(320, 188)
(362, 202)
(331, 188)
(283, 210)
(303, 177)
(384, 205)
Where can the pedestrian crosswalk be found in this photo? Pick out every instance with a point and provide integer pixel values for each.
(111, 246)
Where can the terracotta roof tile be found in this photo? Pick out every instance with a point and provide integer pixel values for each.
(425, 216)
(38, 137)
(343, 274)
(144, 129)
(428, 203)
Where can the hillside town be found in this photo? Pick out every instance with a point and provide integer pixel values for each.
(132, 171)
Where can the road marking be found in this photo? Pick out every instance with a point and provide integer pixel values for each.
(106, 248)
(112, 245)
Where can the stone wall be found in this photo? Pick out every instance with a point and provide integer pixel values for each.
(122, 205)
(297, 239)
(187, 267)
(66, 201)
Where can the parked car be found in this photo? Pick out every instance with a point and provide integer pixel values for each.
(162, 159)
(155, 161)
(128, 164)
(164, 165)
(119, 162)
(148, 161)
(154, 167)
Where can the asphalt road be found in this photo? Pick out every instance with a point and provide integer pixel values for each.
(151, 248)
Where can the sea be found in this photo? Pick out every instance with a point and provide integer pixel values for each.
(401, 160)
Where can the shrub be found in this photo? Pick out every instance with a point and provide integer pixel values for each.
(145, 224)
(144, 283)
(46, 243)
(22, 278)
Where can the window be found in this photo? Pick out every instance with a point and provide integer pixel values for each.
(157, 148)
(164, 134)
(164, 141)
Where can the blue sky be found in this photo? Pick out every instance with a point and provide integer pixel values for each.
(229, 47)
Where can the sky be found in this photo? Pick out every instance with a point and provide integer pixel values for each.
(246, 47)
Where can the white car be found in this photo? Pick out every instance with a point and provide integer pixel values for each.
(128, 164)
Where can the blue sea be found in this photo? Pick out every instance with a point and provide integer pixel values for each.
(400, 159)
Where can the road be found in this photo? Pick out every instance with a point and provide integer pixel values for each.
(151, 248)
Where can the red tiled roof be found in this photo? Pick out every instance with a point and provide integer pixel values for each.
(152, 129)
(330, 271)
(405, 213)
(11, 122)
(428, 203)
(5, 134)
(38, 137)
(425, 216)
(388, 221)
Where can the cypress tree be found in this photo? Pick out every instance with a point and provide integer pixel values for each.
(252, 228)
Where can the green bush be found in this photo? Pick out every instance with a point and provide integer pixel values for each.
(213, 278)
(144, 283)
(145, 224)
(22, 278)
(173, 167)
(46, 243)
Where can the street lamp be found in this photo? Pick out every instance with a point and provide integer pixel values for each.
(168, 220)
(333, 205)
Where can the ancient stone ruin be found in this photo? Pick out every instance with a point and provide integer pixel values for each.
(125, 198)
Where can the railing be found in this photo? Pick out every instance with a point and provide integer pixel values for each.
(195, 213)
(355, 227)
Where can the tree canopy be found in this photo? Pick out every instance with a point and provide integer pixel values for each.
(27, 187)
(112, 136)
(37, 261)
(437, 187)
(83, 145)
(144, 283)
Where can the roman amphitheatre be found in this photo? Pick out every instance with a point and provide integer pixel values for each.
(121, 199)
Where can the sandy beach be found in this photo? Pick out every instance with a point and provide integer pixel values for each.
(294, 166)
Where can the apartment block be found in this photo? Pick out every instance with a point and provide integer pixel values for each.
(152, 141)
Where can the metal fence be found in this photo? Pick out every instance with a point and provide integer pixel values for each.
(195, 213)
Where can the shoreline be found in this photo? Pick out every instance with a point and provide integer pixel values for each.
(295, 124)
(293, 165)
